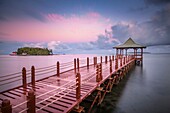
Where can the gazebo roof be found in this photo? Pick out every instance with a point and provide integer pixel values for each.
(129, 44)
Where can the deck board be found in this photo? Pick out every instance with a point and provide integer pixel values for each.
(59, 92)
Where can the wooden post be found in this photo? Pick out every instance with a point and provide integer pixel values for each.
(94, 61)
(87, 62)
(116, 63)
(6, 106)
(101, 59)
(112, 57)
(58, 69)
(24, 79)
(31, 102)
(109, 58)
(106, 59)
(97, 73)
(33, 75)
(110, 66)
(78, 64)
(75, 65)
(121, 61)
(101, 77)
(78, 85)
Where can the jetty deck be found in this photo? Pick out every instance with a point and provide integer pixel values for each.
(65, 90)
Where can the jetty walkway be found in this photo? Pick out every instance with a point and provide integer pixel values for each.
(63, 91)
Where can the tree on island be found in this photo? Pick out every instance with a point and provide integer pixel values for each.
(34, 51)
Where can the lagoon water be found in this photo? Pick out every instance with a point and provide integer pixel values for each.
(147, 89)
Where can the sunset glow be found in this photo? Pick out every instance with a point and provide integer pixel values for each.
(74, 28)
(69, 26)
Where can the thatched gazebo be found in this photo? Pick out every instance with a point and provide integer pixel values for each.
(130, 44)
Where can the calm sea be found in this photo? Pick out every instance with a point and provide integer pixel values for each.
(147, 89)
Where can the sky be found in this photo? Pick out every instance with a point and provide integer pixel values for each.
(84, 26)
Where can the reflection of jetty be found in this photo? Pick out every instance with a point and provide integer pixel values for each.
(63, 92)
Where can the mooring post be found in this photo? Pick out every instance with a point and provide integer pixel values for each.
(78, 85)
(58, 68)
(78, 64)
(24, 79)
(75, 65)
(6, 106)
(31, 102)
(87, 62)
(33, 75)
(109, 58)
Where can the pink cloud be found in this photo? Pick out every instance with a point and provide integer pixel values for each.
(74, 28)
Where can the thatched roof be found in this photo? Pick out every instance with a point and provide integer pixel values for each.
(129, 44)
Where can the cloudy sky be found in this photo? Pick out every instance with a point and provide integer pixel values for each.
(84, 26)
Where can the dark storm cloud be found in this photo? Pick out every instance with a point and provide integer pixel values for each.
(121, 32)
(155, 31)
(17, 9)
(159, 27)
(157, 2)
(3, 18)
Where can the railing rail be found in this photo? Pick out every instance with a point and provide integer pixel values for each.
(71, 85)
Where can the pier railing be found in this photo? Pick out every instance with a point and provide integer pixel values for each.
(34, 103)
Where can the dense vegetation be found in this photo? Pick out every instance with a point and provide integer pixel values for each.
(34, 51)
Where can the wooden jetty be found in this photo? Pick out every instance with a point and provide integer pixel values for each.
(63, 91)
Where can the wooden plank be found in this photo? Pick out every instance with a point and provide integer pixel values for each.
(63, 89)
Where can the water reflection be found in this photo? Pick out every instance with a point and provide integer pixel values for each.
(147, 90)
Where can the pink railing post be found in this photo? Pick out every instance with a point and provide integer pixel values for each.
(110, 66)
(58, 68)
(116, 63)
(101, 77)
(96, 61)
(87, 62)
(121, 61)
(78, 64)
(33, 75)
(124, 60)
(6, 106)
(106, 59)
(97, 73)
(78, 85)
(112, 57)
(24, 79)
(75, 65)
(31, 102)
(101, 59)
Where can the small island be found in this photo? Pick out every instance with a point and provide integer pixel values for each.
(33, 51)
